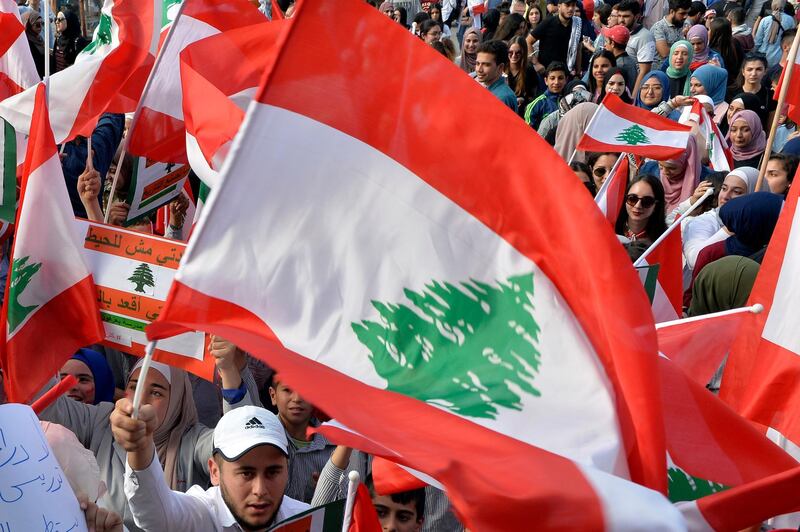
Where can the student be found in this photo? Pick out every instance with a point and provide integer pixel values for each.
(641, 45)
(555, 79)
(249, 470)
(491, 62)
(616, 42)
(668, 30)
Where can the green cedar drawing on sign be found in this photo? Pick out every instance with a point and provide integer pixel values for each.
(21, 275)
(633, 135)
(102, 35)
(142, 276)
(470, 348)
(684, 487)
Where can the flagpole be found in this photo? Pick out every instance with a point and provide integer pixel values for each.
(607, 182)
(781, 99)
(46, 17)
(640, 261)
(137, 395)
(758, 308)
(352, 487)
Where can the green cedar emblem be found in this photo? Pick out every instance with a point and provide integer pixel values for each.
(21, 275)
(102, 35)
(684, 487)
(633, 135)
(166, 5)
(142, 276)
(470, 348)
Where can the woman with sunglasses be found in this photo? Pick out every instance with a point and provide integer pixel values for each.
(642, 216)
(522, 76)
(601, 165)
(69, 41)
(33, 31)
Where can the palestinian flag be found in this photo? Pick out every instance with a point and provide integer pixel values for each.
(78, 95)
(50, 309)
(437, 298)
(17, 71)
(668, 298)
(763, 366)
(619, 127)
(611, 196)
(159, 132)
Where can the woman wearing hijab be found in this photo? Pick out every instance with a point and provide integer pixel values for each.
(95, 380)
(33, 29)
(678, 69)
(740, 102)
(724, 284)
(711, 81)
(183, 445)
(654, 91)
(703, 55)
(746, 139)
(750, 220)
(680, 176)
(69, 41)
(469, 50)
(571, 128)
(616, 82)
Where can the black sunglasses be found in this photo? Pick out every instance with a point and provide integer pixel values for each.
(646, 201)
(600, 171)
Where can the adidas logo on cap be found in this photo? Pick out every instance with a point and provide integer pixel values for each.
(254, 423)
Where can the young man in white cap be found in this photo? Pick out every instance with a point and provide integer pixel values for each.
(249, 472)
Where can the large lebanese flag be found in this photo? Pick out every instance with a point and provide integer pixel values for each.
(159, 132)
(611, 195)
(50, 309)
(219, 77)
(82, 92)
(668, 254)
(760, 380)
(619, 127)
(17, 71)
(502, 328)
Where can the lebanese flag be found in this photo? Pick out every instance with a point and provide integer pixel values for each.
(364, 517)
(17, 71)
(389, 477)
(50, 309)
(79, 94)
(477, 7)
(611, 195)
(619, 127)
(745, 506)
(760, 380)
(698, 345)
(719, 155)
(159, 130)
(792, 92)
(277, 14)
(395, 241)
(217, 94)
(668, 254)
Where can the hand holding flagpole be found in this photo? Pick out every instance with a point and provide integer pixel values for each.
(137, 395)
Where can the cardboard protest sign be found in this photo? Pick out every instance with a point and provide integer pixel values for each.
(153, 184)
(133, 273)
(35, 493)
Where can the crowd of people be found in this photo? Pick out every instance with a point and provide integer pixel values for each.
(237, 454)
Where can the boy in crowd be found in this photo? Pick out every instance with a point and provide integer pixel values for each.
(490, 63)
(399, 512)
(616, 42)
(555, 79)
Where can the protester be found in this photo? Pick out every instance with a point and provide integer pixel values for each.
(513, 26)
(769, 32)
(436, 16)
(695, 16)
(711, 81)
(491, 61)
(668, 30)
(641, 45)
(678, 68)
(750, 80)
(430, 31)
(680, 176)
(780, 173)
(401, 16)
(598, 66)
(575, 94)
(95, 380)
(741, 31)
(616, 42)
(559, 39)
(570, 130)
(601, 20)
(616, 82)
(601, 165)
(740, 102)
(583, 172)
(401, 512)
(642, 216)
(654, 90)
(747, 139)
(703, 55)
(69, 41)
(721, 41)
(555, 79)
(521, 76)
(33, 28)
(248, 470)
(469, 50)
(724, 284)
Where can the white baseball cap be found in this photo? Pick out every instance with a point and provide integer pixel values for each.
(246, 427)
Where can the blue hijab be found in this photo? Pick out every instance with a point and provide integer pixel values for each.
(752, 218)
(103, 378)
(663, 79)
(714, 80)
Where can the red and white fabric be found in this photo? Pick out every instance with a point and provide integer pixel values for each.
(668, 254)
(611, 196)
(17, 70)
(50, 308)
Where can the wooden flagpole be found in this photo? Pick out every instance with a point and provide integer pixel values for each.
(787, 76)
